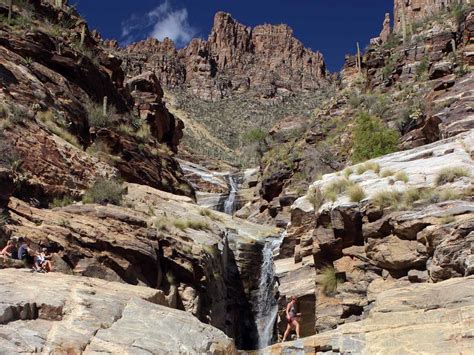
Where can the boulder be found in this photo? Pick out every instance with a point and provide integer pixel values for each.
(56, 313)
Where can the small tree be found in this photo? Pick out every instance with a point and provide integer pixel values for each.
(372, 138)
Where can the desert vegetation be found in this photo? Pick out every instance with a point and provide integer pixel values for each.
(451, 174)
(372, 138)
(104, 192)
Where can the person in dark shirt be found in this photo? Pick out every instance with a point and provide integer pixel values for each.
(24, 252)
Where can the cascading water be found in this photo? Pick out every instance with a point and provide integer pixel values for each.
(229, 203)
(267, 307)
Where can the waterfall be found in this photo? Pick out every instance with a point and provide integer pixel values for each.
(267, 307)
(229, 203)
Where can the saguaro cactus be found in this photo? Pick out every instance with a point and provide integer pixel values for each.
(104, 108)
(10, 10)
(83, 34)
(404, 24)
(359, 59)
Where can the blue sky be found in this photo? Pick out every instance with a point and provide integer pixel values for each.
(331, 26)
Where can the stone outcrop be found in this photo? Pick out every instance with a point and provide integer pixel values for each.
(413, 11)
(422, 318)
(148, 96)
(57, 313)
(51, 91)
(369, 248)
(202, 268)
(266, 59)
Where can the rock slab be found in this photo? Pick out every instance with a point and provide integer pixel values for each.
(56, 313)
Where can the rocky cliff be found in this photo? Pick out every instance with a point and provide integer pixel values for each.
(58, 313)
(71, 120)
(432, 319)
(409, 13)
(62, 95)
(421, 89)
(371, 176)
(266, 59)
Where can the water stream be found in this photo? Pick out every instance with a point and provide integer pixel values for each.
(230, 202)
(267, 306)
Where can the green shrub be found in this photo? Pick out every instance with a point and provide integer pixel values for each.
(378, 105)
(162, 224)
(372, 138)
(254, 135)
(337, 186)
(96, 117)
(61, 202)
(401, 176)
(386, 198)
(362, 168)
(4, 219)
(9, 157)
(330, 196)
(105, 191)
(386, 173)
(347, 172)
(198, 225)
(205, 212)
(355, 99)
(256, 139)
(64, 223)
(49, 121)
(421, 71)
(392, 41)
(17, 115)
(192, 224)
(449, 195)
(452, 174)
(356, 193)
(410, 196)
(329, 280)
(458, 13)
(447, 220)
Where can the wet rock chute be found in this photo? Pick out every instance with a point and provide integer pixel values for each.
(267, 306)
(230, 201)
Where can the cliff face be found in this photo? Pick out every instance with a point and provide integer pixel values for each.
(267, 59)
(412, 11)
(52, 88)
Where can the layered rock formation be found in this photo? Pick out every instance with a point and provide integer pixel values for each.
(58, 313)
(201, 261)
(370, 247)
(53, 88)
(427, 318)
(235, 58)
(409, 12)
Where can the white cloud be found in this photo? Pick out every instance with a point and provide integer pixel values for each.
(161, 22)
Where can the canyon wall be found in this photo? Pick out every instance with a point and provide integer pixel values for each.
(267, 59)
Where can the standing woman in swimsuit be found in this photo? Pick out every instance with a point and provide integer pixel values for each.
(291, 317)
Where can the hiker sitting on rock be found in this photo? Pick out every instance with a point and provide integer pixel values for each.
(42, 263)
(8, 250)
(25, 254)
